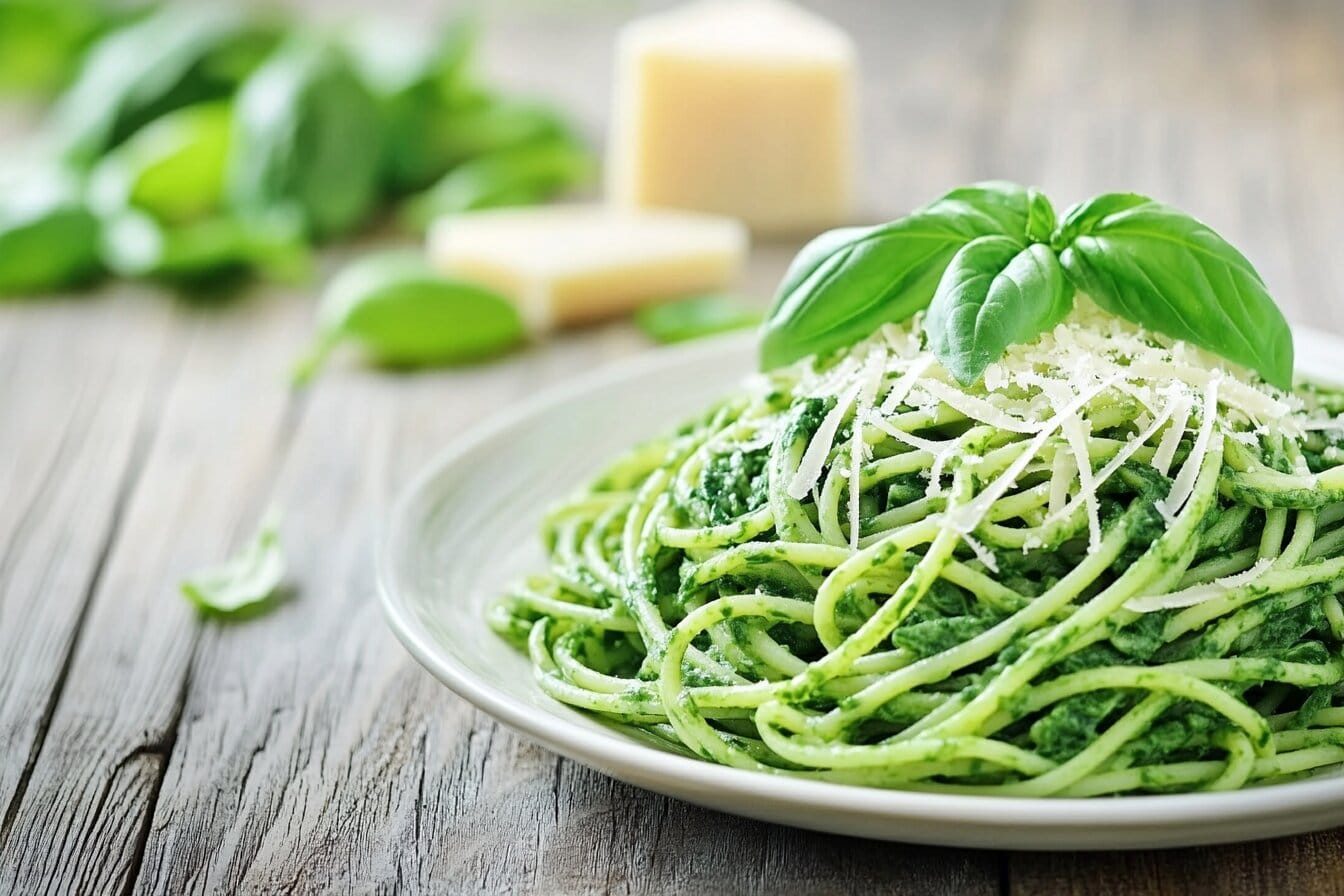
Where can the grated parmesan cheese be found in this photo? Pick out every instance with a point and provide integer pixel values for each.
(1042, 391)
(1184, 484)
(1198, 594)
(814, 458)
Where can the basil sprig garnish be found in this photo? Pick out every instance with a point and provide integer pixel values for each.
(1162, 269)
(846, 283)
(994, 268)
(995, 293)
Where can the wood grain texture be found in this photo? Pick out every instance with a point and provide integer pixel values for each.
(75, 436)
(148, 751)
(206, 471)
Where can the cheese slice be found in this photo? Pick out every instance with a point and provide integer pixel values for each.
(739, 107)
(571, 264)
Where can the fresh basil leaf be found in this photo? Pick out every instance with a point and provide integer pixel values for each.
(1040, 216)
(439, 135)
(485, 122)
(210, 250)
(176, 57)
(48, 237)
(419, 78)
(245, 584)
(522, 175)
(1164, 270)
(1083, 216)
(695, 317)
(846, 283)
(41, 41)
(306, 137)
(994, 294)
(173, 168)
(1007, 205)
(396, 58)
(402, 313)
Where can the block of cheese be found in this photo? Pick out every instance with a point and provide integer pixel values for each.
(736, 107)
(568, 264)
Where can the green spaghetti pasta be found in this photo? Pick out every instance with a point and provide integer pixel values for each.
(1111, 565)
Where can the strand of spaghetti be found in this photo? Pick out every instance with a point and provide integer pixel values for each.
(1033, 586)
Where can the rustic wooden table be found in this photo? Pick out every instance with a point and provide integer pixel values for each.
(144, 750)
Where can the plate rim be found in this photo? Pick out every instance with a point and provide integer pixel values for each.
(611, 754)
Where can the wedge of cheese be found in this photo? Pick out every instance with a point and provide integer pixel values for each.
(738, 107)
(570, 264)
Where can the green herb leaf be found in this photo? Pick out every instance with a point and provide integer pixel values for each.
(1082, 217)
(403, 313)
(1001, 206)
(474, 123)
(846, 283)
(1162, 269)
(176, 57)
(1040, 216)
(41, 41)
(419, 78)
(48, 238)
(245, 584)
(135, 244)
(306, 137)
(994, 294)
(695, 317)
(522, 175)
(173, 168)
(395, 58)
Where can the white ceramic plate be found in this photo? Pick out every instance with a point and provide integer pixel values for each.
(468, 524)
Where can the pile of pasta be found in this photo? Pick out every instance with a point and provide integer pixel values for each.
(1110, 566)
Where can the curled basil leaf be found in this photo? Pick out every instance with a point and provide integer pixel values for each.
(213, 249)
(1081, 218)
(245, 584)
(1162, 269)
(999, 270)
(994, 294)
(1040, 216)
(846, 283)
(173, 58)
(402, 313)
(420, 80)
(306, 138)
(48, 237)
(521, 175)
(173, 168)
(1003, 207)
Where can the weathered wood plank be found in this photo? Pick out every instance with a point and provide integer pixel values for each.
(309, 707)
(79, 824)
(75, 407)
(1303, 866)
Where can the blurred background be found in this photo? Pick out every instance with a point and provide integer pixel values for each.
(195, 206)
(1220, 108)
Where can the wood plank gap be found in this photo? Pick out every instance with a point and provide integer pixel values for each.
(146, 429)
(164, 752)
(55, 466)
(292, 413)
